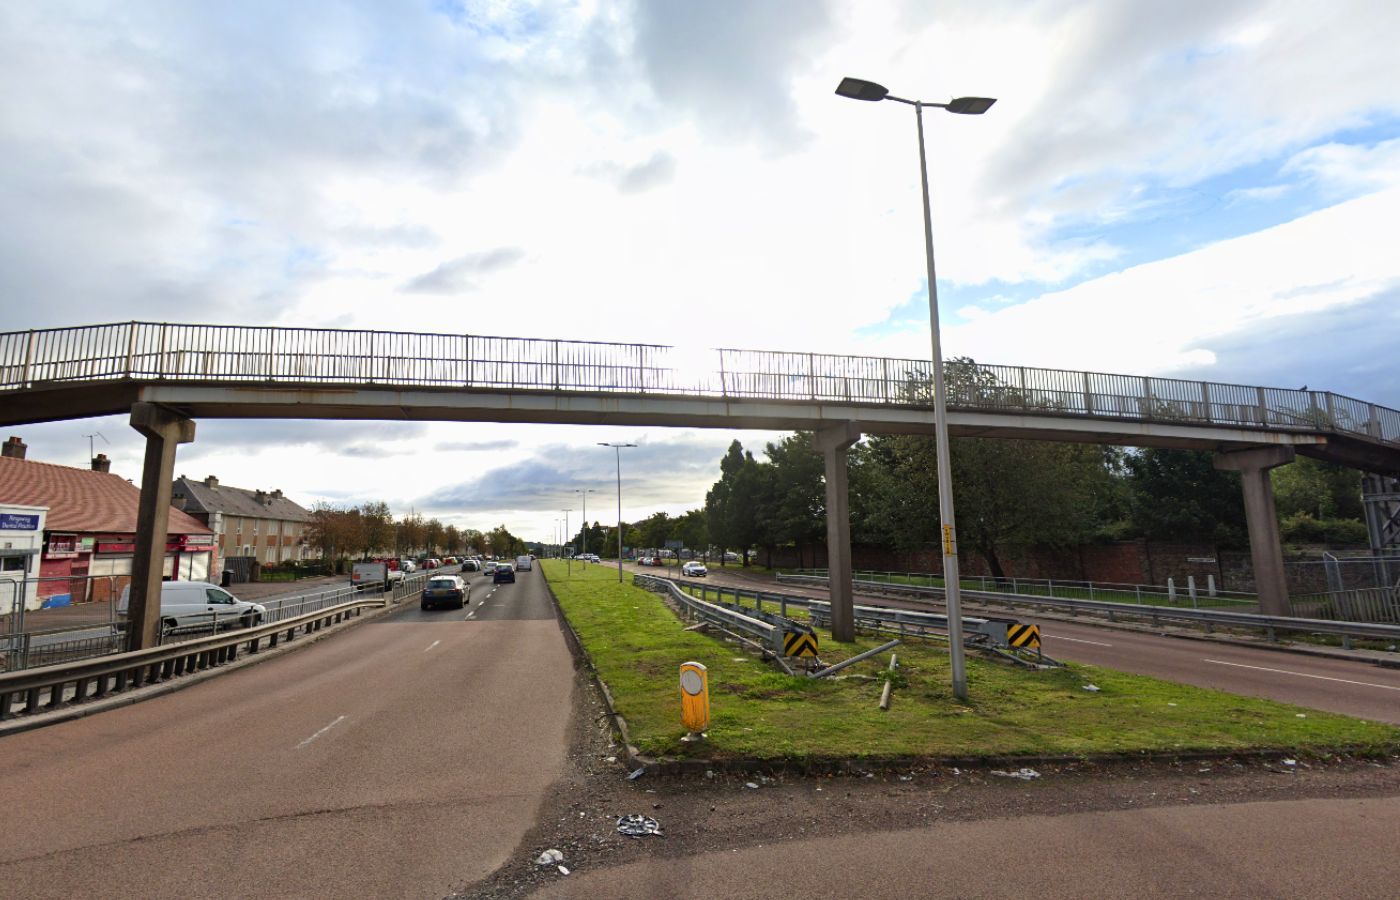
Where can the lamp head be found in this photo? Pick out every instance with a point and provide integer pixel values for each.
(970, 106)
(860, 89)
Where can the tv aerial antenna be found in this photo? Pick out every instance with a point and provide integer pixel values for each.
(92, 450)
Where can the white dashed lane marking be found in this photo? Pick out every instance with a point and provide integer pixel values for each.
(337, 721)
(431, 646)
(1384, 687)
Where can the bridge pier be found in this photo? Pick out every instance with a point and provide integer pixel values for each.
(164, 430)
(834, 442)
(1265, 543)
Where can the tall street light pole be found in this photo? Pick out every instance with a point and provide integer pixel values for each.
(569, 558)
(857, 89)
(584, 492)
(617, 450)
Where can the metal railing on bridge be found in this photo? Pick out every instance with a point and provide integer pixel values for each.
(298, 356)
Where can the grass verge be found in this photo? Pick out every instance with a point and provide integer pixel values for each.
(637, 643)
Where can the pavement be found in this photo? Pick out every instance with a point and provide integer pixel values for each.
(1353, 687)
(402, 758)
(1306, 848)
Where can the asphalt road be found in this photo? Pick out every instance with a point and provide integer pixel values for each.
(1343, 686)
(400, 758)
(1304, 848)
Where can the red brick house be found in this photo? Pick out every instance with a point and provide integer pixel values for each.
(90, 528)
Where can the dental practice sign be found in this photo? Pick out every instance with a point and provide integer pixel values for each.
(18, 522)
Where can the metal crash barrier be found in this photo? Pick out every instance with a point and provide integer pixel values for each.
(52, 687)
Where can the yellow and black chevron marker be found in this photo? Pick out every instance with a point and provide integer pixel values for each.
(1026, 637)
(796, 643)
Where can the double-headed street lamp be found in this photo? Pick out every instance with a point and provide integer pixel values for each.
(617, 449)
(857, 89)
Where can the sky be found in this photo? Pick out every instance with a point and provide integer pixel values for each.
(1196, 189)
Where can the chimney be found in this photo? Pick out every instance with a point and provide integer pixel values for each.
(100, 463)
(211, 481)
(277, 494)
(261, 496)
(13, 448)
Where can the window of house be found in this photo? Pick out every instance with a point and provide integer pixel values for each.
(12, 564)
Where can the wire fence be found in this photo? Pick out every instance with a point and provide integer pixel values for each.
(298, 356)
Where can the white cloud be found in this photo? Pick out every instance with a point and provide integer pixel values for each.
(674, 173)
(1164, 316)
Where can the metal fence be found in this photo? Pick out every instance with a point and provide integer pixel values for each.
(37, 638)
(1188, 595)
(185, 353)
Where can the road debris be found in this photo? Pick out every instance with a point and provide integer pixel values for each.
(563, 871)
(1290, 762)
(636, 773)
(637, 825)
(1022, 774)
(550, 857)
(750, 785)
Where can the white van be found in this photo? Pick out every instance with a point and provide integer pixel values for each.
(524, 563)
(191, 605)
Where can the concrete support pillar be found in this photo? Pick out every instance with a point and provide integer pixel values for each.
(164, 431)
(1265, 544)
(833, 442)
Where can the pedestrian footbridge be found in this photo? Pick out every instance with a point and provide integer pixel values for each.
(168, 375)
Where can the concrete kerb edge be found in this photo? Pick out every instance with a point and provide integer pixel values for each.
(581, 657)
(139, 695)
(861, 765)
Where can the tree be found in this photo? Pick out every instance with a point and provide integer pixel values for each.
(377, 527)
(1179, 495)
(432, 535)
(1322, 490)
(796, 507)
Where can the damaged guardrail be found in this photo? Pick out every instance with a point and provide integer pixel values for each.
(1210, 619)
(771, 633)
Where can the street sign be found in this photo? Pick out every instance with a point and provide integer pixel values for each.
(949, 549)
(796, 643)
(675, 545)
(1024, 636)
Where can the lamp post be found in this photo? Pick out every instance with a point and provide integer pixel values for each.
(857, 89)
(617, 450)
(583, 535)
(569, 560)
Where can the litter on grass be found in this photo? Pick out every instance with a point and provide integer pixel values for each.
(550, 857)
(637, 826)
(1092, 688)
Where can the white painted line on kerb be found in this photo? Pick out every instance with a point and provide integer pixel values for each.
(1061, 637)
(1384, 687)
(471, 615)
(431, 646)
(337, 721)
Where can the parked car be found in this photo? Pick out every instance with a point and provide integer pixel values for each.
(445, 589)
(694, 569)
(504, 574)
(189, 605)
(524, 563)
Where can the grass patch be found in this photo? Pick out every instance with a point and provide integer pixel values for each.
(637, 644)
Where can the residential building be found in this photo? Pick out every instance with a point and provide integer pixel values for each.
(257, 523)
(89, 528)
